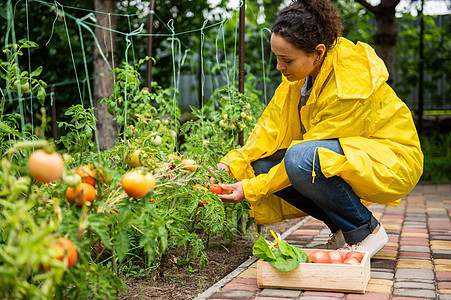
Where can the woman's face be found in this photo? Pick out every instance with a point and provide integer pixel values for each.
(294, 63)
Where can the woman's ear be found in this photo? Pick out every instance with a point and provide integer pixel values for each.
(320, 51)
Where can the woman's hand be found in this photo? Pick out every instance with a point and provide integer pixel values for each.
(221, 166)
(237, 194)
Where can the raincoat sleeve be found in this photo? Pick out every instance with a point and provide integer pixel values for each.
(274, 130)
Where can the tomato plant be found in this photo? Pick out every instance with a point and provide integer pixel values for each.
(45, 167)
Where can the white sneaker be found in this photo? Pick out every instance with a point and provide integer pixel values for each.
(372, 243)
(336, 241)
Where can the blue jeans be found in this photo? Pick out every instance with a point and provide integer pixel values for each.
(330, 200)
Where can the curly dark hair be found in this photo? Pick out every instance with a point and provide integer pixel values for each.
(307, 23)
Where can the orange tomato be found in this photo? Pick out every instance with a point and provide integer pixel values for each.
(45, 167)
(81, 193)
(189, 165)
(137, 184)
(199, 187)
(87, 174)
(319, 256)
(65, 248)
(173, 156)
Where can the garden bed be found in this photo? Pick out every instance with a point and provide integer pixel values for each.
(178, 283)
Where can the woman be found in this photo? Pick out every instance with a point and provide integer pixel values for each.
(334, 137)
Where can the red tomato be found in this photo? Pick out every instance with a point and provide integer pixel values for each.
(201, 203)
(319, 256)
(351, 261)
(336, 257)
(357, 255)
(216, 188)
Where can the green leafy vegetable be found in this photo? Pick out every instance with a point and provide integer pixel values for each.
(281, 255)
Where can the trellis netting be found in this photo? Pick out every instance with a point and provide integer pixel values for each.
(197, 68)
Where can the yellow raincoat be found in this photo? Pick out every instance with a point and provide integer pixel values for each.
(350, 101)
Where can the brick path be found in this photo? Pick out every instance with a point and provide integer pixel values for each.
(415, 264)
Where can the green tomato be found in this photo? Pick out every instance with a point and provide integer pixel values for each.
(120, 121)
(249, 118)
(222, 124)
(243, 115)
(24, 88)
(156, 140)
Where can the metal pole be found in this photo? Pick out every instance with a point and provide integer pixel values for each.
(149, 44)
(241, 60)
(421, 73)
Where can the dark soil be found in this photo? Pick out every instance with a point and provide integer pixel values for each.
(172, 282)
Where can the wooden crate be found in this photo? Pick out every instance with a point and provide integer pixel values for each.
(317, 276)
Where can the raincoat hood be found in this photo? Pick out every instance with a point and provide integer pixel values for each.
(350, 101)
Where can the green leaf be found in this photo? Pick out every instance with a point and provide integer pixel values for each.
(36, 72)
(261, 248)
(41, 95)
(122, 242)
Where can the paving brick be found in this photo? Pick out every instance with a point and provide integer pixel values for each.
(383, 264)
(280, 293)
(414, 274)
(441, 252)
(386, 254)
(323, 294)
(444, 285)
(442, 268)
(408, 298)
(415, 230)
(443, 275)
(414, 242)
(444, 297)
(405, 263)
(414, 285)
(415, 249)
(429, 294)
(368, 296)
(233, 294)
(445, 291)
(438, 261)
(381, 275)
(250, 272)
(241, 287)
(240, 280)
(414, 234)
(310, 232)
(271, 298)
(414, 254)
(375, 286)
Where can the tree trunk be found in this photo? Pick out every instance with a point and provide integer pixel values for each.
(385, 36)
(103, 82)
